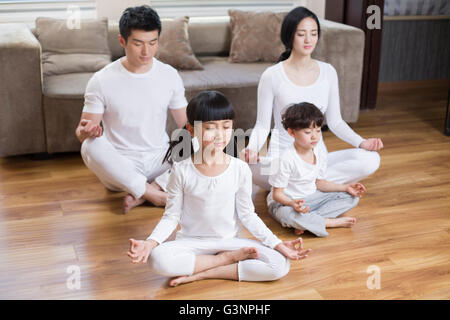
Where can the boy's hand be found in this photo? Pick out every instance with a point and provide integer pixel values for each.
(88, 129)
(355, 189)
(293, 249)
(140, 250)
(299, 205)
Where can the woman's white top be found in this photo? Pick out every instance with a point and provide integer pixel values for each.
(211, 207)
(276, 92)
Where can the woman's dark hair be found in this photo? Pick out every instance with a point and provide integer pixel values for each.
(205, 106)
(141, 18)
(289, 28)
(302, 115)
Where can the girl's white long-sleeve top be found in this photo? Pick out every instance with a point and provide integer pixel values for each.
(276, 92)
(211, 207)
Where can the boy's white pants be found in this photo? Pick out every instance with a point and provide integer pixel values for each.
(120, 170)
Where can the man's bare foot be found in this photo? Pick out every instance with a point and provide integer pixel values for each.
(344, 222)
(239, 255)
(182, 279)
(298, 232)
(130, 202)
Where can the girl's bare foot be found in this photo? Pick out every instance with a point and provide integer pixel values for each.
(239, 255)
(344, 222)
(298, 232)
(130, 202)
(182, 279)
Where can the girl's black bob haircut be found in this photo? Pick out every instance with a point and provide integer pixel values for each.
(209, 106)
(205, 106)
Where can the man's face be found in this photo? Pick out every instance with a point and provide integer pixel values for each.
(141, 47)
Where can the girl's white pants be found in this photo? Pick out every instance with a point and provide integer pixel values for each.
(177, 258)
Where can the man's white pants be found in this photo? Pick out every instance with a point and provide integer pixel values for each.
(121, 170)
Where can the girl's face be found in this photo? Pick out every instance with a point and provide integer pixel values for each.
(306, 37)
(215, 134)
(306, 138)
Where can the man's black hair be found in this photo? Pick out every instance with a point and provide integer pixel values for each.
(140, 18)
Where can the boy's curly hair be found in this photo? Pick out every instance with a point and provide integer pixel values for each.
(301, 115)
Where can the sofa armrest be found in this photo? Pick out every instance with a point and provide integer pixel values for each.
(343, 47)
(21, 115)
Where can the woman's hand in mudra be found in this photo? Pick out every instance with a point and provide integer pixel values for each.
(372, 144)
(249, 156)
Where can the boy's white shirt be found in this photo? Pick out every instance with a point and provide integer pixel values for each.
(296, 176)
(134, 106)
(211, 207)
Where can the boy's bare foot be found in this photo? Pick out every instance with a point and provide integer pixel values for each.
(240, 254)
(129, 202)
(344, 222)
(298, 232)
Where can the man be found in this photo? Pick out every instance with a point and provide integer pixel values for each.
(130, 96)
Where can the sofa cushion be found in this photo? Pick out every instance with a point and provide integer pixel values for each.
(55, 36)
(69, 86)
(174, 47)
(255, 36)
(220, 73)
(68, 50)
(73, 62)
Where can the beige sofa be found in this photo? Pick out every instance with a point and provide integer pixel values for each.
(39, 114)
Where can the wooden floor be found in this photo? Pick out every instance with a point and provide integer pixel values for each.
(55, 214)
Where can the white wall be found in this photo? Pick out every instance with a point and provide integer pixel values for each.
(112, 9)
(316, 6)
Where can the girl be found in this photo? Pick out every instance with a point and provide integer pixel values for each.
(208, 193)
(295, 78)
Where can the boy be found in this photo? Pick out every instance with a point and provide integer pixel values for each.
(300, 197)
(130, 96)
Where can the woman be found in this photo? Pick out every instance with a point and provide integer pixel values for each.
(296, 78)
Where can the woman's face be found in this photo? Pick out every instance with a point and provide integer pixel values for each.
(306, 37)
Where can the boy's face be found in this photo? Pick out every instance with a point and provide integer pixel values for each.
(140, 47)
(306, 138)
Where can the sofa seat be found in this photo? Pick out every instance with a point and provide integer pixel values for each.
(66, 86)
(219, 73)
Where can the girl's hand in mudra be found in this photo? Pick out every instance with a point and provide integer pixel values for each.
(293, 249)
(140, 250)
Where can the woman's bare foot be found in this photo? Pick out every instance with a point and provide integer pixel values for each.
(298, 232)
(344, 222)
(130, 202)
(239, 255)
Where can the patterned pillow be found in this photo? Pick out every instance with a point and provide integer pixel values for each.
(174, 47)
(255, 36)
